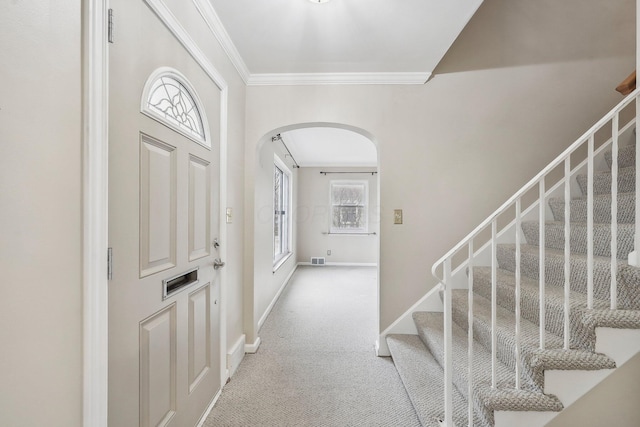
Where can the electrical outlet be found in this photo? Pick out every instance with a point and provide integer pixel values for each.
(328, 252)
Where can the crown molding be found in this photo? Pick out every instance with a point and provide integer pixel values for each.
(215, 25)
(338, 79)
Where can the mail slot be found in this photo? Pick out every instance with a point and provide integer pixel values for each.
(174, 284)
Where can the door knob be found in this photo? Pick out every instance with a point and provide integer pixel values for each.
(218, 264)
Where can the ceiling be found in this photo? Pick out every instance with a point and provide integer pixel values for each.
(330, 147)
(278, 42)
(341, 41)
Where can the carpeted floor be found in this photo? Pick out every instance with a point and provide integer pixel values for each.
(316, 365)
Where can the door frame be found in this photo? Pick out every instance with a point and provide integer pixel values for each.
(95, 180)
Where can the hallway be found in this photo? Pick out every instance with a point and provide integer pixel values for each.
(317, 365)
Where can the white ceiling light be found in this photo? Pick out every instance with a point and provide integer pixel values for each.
(319, 1)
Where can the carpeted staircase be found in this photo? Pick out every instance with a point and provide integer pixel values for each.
(419, 358)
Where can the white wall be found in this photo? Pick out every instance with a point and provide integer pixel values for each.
(520, 84)
(313, 208)
(40, 214)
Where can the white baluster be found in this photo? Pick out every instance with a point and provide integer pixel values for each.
(614, 211)
(518, 257)
(494, 300)
(448, 347)
(470, 337)
(590, 223)
(567, 247)
(541, 274)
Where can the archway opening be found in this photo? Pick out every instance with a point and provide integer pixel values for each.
(317, 185)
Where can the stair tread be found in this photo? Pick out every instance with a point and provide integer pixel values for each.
(423, 379)
(532, 249)
(554, 268)
(534, 360)
(486, 399)
(603, 196)
(601, 208)
(581, 224)
(554, 237)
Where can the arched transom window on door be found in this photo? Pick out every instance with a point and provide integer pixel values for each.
(170, 99)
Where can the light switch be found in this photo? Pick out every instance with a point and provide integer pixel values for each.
(229, 215)
(397, 216)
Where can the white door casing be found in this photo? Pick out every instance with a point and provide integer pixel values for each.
(165, 201)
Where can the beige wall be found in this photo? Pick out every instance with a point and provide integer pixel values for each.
(268, 282)
(40, 214)
(521, 83)
(313, 207)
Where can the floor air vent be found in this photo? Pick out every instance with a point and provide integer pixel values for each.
(317, 260)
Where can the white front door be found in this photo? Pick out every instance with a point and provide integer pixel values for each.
(164, 295)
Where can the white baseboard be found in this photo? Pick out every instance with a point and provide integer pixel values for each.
(285, 282)
(343, 264)
(235, 355)
(252, 348)
(382, 349)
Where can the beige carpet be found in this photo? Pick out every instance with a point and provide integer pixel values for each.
(317, 365)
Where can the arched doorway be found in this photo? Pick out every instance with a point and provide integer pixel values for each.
(340, 231)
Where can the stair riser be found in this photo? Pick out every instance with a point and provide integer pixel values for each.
(581, 336)
(602, 182)
(626, 156)
(554, 270)
(601, 209)
(505, 346)
(554, 238)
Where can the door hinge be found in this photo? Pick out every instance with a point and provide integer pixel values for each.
(110, 27)
(109, 263)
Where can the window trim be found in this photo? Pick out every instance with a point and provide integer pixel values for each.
(350, 231)
(280, 258)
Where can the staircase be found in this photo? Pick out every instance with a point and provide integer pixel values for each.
(528, 323)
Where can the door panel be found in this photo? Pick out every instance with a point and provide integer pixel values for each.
(157, 368)
(199, 208)
(164, 353)
(157, 206)
(199, 335)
